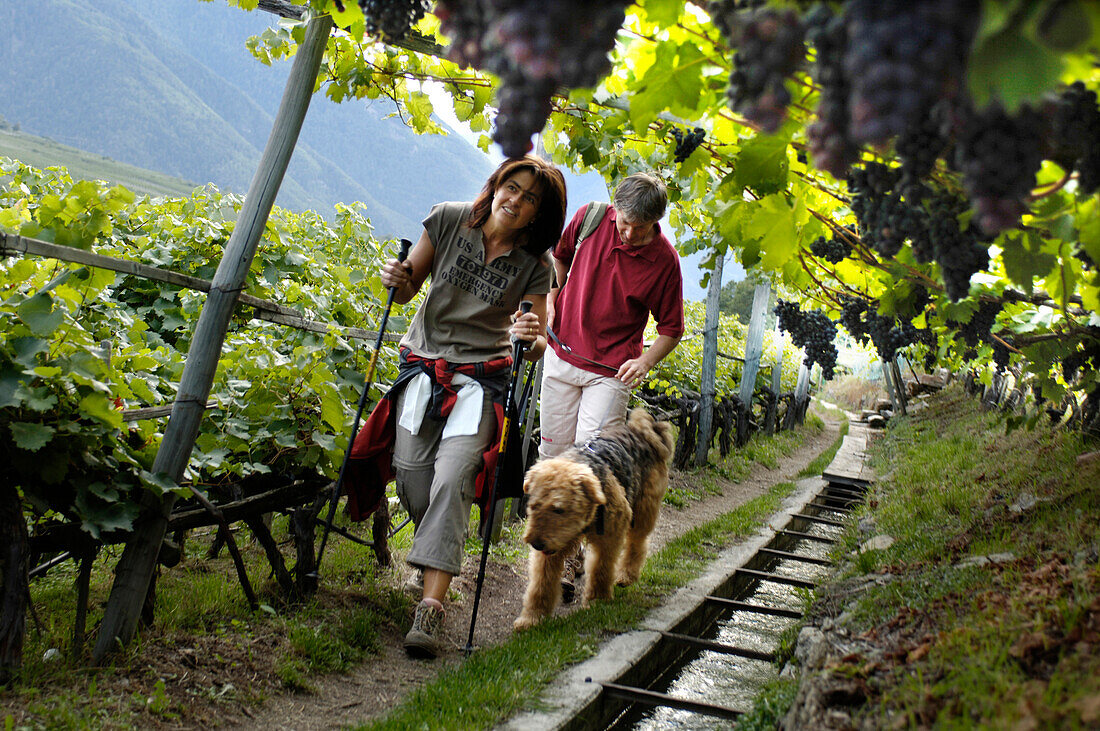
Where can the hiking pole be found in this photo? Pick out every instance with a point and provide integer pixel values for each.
(518, 346)
(404, 254)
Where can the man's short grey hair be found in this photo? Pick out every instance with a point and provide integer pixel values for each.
(641, 198)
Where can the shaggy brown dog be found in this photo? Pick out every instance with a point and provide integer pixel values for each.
(607, 491)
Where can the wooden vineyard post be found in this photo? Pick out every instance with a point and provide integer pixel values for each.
(134, 571)
(899, 386)
(754, 342)
(777, 383)
(801, 391)
(707, 389)
(888, 380)
(14, 557)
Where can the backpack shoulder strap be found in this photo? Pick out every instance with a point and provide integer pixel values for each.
(593, 216)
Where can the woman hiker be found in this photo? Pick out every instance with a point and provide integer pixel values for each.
(444, 409)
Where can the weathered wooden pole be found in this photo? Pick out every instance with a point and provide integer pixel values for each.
(134, 571)
(888, 380)
(772, 416)
(899, 386)
(707, 388)
(754, 341)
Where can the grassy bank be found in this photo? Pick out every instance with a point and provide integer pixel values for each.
(985, 610)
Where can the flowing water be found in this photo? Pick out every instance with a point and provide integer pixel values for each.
(728, 680)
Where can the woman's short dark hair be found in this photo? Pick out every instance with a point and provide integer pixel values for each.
(545, 228)
(641, 198)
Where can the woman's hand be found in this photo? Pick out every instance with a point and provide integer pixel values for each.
(394, 274)
(525, 326)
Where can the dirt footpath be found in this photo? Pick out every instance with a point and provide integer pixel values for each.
(377, 685)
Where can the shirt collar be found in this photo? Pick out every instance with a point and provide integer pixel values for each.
(648, 252)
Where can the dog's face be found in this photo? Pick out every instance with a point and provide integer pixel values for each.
(562, 497)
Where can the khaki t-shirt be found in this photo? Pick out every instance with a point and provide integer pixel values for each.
(466, 314)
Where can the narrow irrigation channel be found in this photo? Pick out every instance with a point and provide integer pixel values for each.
(701, 664)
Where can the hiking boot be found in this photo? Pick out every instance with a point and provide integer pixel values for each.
(571, 576)
(424, 639)
(414, 585)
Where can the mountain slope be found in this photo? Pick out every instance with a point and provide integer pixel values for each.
(169, 86)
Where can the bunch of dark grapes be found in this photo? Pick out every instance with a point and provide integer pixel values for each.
(960, 252)
(834, 250)
(977, 329)
(864, 323)
(1075, 134)
(687, 143)
(885, 219)
(1001, 355)
(999, 155)
(851, 317)
(770, 47)
(830, 144)
(928, 339)
(813, 331)
(1084, 357)
(392, 19)
(902, 58)
(919, 146)
(535, 47)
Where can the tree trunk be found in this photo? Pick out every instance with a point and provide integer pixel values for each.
(13, 582)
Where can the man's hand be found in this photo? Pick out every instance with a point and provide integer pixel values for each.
(633, 372)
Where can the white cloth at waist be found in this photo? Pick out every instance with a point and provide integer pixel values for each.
(465, 417)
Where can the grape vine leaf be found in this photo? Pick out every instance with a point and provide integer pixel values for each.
(772, 222)
(100, 517)
(1064, 25)
(1024, 260)
(762, 164)
(99, 407)
(672, 82)
(1011, 68)
(39, 314)
(30, 436)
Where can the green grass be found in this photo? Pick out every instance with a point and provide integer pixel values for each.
(765, 450)
(821, 461)
(999, 643)
(41, 152)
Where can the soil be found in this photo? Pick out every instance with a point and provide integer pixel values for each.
(381, 682)
(227, 679)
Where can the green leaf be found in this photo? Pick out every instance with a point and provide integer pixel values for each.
(97, 406)
(1024, 259)
(1012, 68)
(30, 436)
(590, 154)
(762, 164)
(11, 381)
(1089, 222)
(1064, 26)
(772, 224)
(39, 314)
(663, 13)
(673, 82)
(27, 350)
(332, 409)
(99, 517)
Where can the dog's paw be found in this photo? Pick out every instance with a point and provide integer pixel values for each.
(523, 622)
(625, 580)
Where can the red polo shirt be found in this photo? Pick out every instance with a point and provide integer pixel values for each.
(611, 291)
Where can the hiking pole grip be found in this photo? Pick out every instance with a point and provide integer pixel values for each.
(524, 307)
(406, 245)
